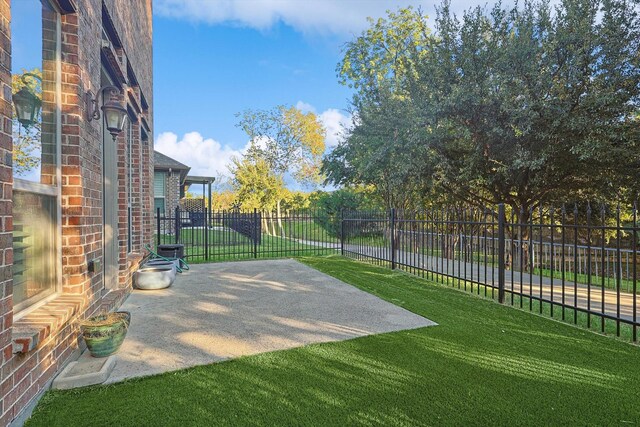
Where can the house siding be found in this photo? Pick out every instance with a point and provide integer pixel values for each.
(25, 374)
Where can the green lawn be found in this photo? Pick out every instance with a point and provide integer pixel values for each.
(485, 364)
(226, 244)
(577, 317)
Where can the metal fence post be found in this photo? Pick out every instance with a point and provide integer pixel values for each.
(393, 238)
(177, 224)
(342, 232)
(255, 233)
(206, 234)
(158, 226)
(501, 252)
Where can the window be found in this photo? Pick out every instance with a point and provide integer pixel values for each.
(35, 28)
(159, 192)
(158, 203)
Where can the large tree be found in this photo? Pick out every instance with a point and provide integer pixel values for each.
(381, 148)
(381, 151)
(385, 53)
(255, 184)
(287, 139)
(533, 104)
(516, 106)
(283, 141)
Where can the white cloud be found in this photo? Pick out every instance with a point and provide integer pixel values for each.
(205, 156)
(307, 16)
(332, 119)
(208, 157)
(323, 16)
(334, 123)
(304, 107)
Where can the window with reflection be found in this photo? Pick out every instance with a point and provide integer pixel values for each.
(35, 29)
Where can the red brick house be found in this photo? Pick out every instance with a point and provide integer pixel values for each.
(76, 203)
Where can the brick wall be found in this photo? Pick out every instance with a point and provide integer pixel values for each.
(172, 193)
(29, 360)
(6, 226)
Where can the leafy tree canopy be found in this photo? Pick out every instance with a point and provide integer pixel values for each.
(256, 186)
(288, 140)
(503, 105)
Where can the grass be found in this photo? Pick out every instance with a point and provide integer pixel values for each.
(579, 318)
(485, 364)
(227, 244)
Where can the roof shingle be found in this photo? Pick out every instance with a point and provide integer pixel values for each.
(163, 161)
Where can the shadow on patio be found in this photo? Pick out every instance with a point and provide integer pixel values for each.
(219, 311)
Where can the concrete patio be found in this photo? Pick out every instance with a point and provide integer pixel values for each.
(220, 311)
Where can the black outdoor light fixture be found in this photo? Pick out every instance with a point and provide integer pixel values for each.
(27, 103)
(114, 113)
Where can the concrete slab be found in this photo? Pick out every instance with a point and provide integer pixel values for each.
(85, 371)
(224, 310)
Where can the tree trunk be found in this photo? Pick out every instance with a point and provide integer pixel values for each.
(273, 224)
(279, 213)
(265, 224)
(449, 244)
(520, 233)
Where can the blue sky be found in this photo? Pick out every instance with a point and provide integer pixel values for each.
(205, 74)
(213, 59)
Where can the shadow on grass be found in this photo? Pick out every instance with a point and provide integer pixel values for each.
(485, 364)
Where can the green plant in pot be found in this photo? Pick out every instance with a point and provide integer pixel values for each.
(105, 332)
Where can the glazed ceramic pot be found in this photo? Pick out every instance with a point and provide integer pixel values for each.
(105, 333)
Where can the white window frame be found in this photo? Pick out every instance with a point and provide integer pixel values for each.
(25, 307)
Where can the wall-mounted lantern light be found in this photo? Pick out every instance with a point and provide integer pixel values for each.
(114, 113)
(27, 103)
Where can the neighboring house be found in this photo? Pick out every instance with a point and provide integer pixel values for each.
(76, 204)
(170, 184)
(169, 177)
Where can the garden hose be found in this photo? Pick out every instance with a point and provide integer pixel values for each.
(182, 264)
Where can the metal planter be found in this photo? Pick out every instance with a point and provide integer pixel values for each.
(155, 276)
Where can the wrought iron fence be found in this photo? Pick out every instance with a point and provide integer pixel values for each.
(233, 234)
(578, 268)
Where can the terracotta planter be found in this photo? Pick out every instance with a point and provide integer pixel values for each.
(103, 335)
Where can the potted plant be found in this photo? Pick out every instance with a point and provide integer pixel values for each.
(105, 332)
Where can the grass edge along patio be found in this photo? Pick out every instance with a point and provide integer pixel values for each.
(484, 364)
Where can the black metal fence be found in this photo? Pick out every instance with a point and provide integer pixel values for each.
(222, 235)
(574, 265)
